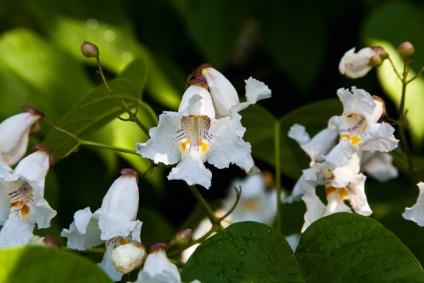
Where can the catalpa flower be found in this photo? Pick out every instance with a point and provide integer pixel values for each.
(359, 127)
(114, 223)
(15, 132)
(193, 136)
(22, 203)
(341, 184)
(355, 65)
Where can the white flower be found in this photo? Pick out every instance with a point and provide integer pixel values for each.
(158, 268)
(22, 203)
(317, 147)
(341, 184)
(356, 65)
(14, 134)
(378, 165)
(224, 95)
(114, 223)
(193, 136)
(359, 128)
(416, 212)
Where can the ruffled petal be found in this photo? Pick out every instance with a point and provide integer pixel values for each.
(16, 232)
(162, 146)
(416, 212)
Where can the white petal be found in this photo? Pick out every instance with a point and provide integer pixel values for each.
(108, 267)
(299, 134)
(192, 170)
(416, 212)
(335, 204)
(378, 165)
(228, 147)
(196, 101)
(314, 207)
(256, 90)
(122, 199)
(158, 263)
(14, 133)
(358, 199)
(341, 154)
(356, 65)
(84, 232)
(162, 147)
(42, 214)
(16, 232)
(112, 227)
(223, 93)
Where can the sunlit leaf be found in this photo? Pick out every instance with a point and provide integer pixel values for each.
(55, 79)
(69, 24)
(47, 265)
(98, 108)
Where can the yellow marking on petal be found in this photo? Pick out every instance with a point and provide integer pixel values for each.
(204, 146)
(355, 140)
(330, 190)
(345, 136)
(123, 241)
(184, 144)
(17, 203)
(343, 194)
(25, 210)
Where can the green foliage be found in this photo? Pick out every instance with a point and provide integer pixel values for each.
(48, 265)
(342, 247)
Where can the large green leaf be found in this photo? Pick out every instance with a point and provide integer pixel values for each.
(260, 132)
(48, 78)
(243, 252)
(297, 41)
(214, 26)
(70, 23)
(342, 247)
(47, 265)
(98, 108)
(347, 247)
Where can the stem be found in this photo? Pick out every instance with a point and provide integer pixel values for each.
(402, 116)
(238, 194)
(395, 69)
(200, 199)
(132, 116)
(277, 139)
(100, 145)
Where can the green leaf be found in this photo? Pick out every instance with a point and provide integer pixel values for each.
(98, 108)
(260, 132)
(52, 80)
(347, 247)
(69, 24)
(214, 26)
(47, 265)
(243, 252)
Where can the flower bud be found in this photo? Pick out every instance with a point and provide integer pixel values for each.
(379, 56)
(47, 240)
(355, 65)
(89, 50)
(128, 257)
(406, 49)
(182, 238)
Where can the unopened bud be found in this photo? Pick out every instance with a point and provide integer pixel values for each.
(128, 257)
(198, 70)
(379, 56)
(47, 240)
(199, 80)
(182, 238)
(33, 111)
(406, 49)
(158, 246)
(89, 50)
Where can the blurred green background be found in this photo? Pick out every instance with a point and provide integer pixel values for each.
(293, 46)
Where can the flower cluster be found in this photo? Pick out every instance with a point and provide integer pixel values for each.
(339, 154)
(206, 128)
